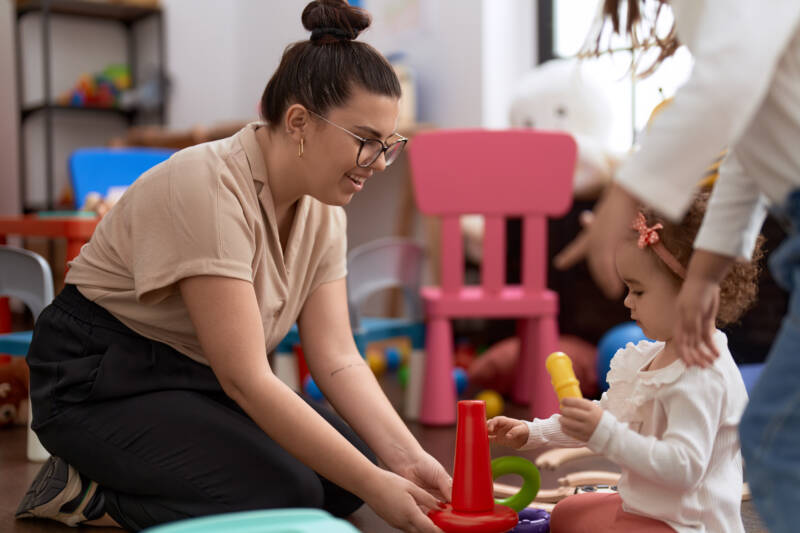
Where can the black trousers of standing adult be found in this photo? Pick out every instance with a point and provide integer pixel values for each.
(154, 428)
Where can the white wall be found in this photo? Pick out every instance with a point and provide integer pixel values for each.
(508, 53)
(466, 55)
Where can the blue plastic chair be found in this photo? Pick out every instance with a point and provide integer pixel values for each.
(268, 521)
(99, 169)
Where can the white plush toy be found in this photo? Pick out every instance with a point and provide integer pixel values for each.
(561, 95)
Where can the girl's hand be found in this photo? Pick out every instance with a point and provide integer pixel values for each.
(507, 431)
(697, 307)
(401, 503)
(579, 418)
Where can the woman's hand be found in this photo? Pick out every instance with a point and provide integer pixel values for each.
(402, 503)
(579, 418)
(697, 307)
(599, 239)
(427, 473)
(507, 431)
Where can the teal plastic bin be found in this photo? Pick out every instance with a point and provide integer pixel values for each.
(268, 521)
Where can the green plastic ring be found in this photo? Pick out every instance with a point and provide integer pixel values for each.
(531, 480)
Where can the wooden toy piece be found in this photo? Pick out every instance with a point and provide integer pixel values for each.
(554, 458)
(543, 497)
(562, 376)
(589, 477)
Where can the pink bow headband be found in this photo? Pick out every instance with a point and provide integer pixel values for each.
(650, 237)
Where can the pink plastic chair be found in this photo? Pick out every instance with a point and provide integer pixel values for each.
(498, 174)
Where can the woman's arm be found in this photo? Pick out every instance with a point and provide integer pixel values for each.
(736, 46)
(348, 383)
(225, 314)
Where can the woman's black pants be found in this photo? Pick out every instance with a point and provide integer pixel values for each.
(154, 428)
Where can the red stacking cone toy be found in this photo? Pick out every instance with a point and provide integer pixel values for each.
(473, 508)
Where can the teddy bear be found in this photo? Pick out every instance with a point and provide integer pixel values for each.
(13, 391)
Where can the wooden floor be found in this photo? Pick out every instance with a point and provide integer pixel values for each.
(16, 473)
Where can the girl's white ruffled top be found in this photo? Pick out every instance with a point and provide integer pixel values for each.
(673, 432)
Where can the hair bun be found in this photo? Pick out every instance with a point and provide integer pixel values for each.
(335, 20)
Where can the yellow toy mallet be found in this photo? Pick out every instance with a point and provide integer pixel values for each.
(566, 385)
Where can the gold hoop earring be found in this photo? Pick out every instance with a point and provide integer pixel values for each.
(300, 150)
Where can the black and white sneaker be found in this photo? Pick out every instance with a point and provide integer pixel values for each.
(61, 493)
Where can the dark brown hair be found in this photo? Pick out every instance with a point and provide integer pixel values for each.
(640, 26)
(739, 289)
(320, 73)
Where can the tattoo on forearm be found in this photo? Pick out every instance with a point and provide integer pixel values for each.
(346, 367)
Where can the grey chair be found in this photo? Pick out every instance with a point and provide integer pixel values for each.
(392, 262)
(26, 276)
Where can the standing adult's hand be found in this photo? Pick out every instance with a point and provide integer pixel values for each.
(697, 306)
(599, 239)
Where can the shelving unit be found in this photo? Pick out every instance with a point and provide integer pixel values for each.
(124, 14)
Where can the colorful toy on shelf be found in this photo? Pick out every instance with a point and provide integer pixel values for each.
(473, 509)
(562, 376)
(493, 400)
(102, 89)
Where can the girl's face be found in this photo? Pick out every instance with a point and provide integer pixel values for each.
(652, 290)
(334, 174)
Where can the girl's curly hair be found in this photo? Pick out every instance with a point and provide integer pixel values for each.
(739, 289)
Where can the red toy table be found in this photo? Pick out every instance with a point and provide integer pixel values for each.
(77, 230)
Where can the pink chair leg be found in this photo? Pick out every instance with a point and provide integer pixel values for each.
(544, 401)
(522, 388)
(439, 389)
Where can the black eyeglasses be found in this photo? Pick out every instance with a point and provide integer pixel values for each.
(371, 149)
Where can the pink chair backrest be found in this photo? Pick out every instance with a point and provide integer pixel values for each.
(498, 174)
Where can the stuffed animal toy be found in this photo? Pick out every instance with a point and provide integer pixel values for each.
(495, 368)
(13, 391)
(561, 95)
